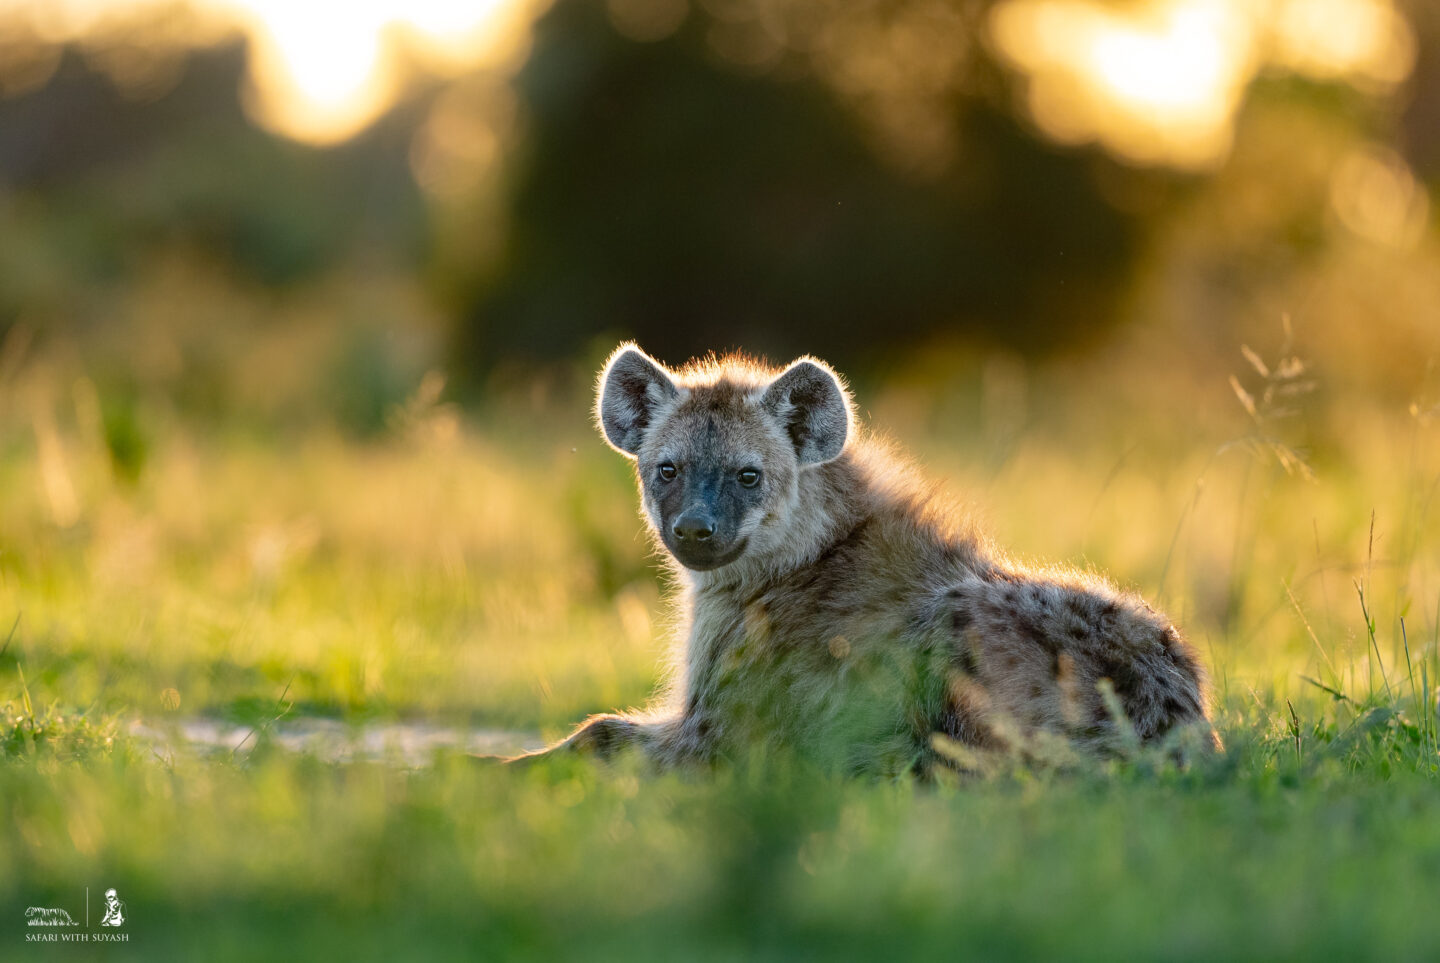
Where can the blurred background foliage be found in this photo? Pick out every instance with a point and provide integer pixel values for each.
(261, 210)
(300, 309)
(1072, 252)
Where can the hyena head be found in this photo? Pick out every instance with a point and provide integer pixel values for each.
(720, 447)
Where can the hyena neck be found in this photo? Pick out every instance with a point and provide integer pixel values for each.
(832, 500)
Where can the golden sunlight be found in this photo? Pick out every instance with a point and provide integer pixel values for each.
(321, 77)
(1154, 81)
(313, 75)
(318, 72)
(1161, 82)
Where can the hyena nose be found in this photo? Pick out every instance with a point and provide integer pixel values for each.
(694, 528)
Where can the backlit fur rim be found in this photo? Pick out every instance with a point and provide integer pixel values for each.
(754, 373)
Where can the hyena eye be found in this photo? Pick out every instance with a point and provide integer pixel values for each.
(749, 477)
(667, 471)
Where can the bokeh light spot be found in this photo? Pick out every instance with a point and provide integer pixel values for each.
(1160, 83)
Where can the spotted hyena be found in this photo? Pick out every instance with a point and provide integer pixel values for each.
(832, 605)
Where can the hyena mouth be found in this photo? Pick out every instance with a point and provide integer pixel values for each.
(704, 558)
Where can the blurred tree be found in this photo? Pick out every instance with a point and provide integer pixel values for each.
(852, 179)
(99, 180)
(1421, 121)
(665, 192)
(184, 257)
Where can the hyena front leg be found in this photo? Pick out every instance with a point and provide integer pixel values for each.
(662, 740)
(600, 735)
(603, 735)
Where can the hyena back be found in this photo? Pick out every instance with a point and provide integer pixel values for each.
(831, 605)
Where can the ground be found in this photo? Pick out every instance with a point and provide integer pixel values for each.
(488, 572)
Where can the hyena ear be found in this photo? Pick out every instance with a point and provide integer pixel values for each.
(632, 387)
(810, 402)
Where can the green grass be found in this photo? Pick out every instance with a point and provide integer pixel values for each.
(491, 573)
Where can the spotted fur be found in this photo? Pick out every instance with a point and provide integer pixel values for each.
(837, 607)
